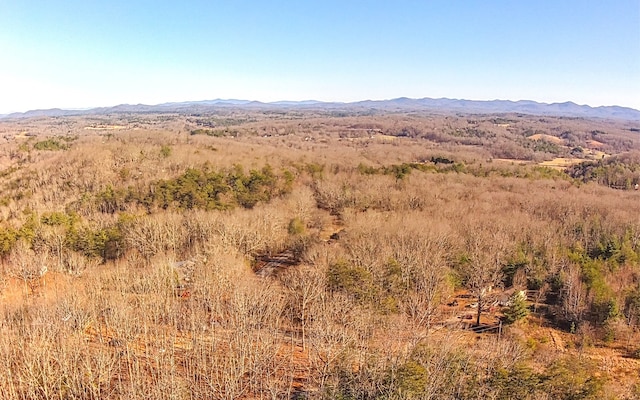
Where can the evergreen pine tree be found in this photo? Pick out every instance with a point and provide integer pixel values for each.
(517, 309)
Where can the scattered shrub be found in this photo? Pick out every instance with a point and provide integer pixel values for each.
(165, 151)
(296, 226)
(50, 145)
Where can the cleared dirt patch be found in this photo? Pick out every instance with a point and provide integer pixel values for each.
(561, 162)
(547, 138)
(385, 138)
(510, 160)
(594, 144)
(105, 127)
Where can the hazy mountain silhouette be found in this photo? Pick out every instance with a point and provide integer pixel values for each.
(442, 105)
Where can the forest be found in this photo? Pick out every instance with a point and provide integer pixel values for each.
(244, 254)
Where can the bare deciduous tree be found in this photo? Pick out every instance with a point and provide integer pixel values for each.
(574, 294)
(305, 285)
(28, 265)
(423, 262)
(485, 249)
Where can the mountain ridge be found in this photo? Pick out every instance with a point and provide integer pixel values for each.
(566, 109)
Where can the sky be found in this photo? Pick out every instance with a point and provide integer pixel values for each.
(82, 54)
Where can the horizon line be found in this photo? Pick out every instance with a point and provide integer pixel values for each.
(276, 102)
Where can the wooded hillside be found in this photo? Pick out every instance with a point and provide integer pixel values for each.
(242, 254)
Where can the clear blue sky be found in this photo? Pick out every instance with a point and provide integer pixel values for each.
(81, 53)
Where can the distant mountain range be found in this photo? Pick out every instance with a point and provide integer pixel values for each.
(403, 104)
